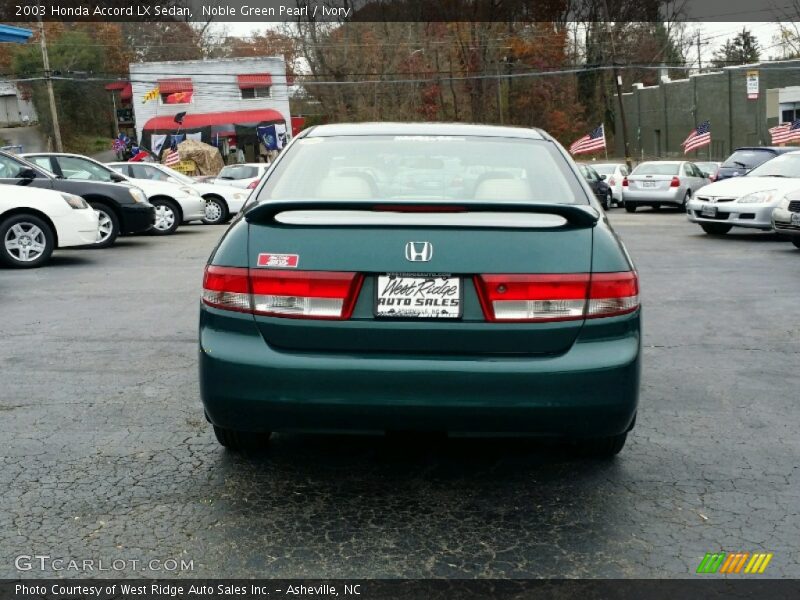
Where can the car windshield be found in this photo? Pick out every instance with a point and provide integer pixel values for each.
(238, 172)
(786, 165)
(424, 167)
(748, 159)
(656, 168)
(180, 177)
(605, 169)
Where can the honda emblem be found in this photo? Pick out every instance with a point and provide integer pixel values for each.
(419, 251)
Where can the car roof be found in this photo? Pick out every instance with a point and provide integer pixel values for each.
(775, 149)
(664, 162)
(391, 128)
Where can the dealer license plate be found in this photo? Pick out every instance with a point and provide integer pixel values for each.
(708, 211)
(418, 296)
(795, 220)
(648, 184)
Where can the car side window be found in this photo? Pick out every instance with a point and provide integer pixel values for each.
(624, 171)
(687, 170)
(121, 169)
(42, 161)
(698, 171)
(9, 168)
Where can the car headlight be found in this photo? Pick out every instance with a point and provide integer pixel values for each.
(190, 191)
(75, 201)
(138, 195)
(761, 197)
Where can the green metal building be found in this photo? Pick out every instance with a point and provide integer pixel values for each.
(740, 111)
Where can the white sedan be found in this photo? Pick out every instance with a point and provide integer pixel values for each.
(34, 221)
(222, 201)
(246, 175)
(747, 201)
(175, 204)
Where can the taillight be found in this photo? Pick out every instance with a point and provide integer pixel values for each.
(624, 182)
(537, 298)
(295, 294)
(675, 182)
(305, 294)
(253, 185)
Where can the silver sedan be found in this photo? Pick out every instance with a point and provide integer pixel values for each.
(662, 183)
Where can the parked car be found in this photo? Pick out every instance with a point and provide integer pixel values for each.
(613, 174)
(515, 310)
(121, 207)
(246, 175)
(710, 169)
(35, 221)
(662, 183)
(222, 201)
(601, 189)
(745, 159)
(746, 201)
(174, 204)
(786, 217)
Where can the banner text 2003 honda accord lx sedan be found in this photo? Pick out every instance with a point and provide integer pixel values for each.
(421, 277)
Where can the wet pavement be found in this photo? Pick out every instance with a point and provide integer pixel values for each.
(104, 452)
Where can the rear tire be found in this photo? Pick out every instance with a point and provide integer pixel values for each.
(216, 211)
(608, 201)
(604, 447)
(168, 217)
(796, 242)
(242, 441)
(26, 241)
(109, 225)
(630, 207)
(686, 197)
(716, 228)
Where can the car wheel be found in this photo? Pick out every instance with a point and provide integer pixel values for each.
(796, 242)
(27, 241)
(216, 211)
(167, 217)
(630, 207)
(108, 229)
(716, 228)
(608, 201)
(241, 441)
(604, 447)
(686, 197)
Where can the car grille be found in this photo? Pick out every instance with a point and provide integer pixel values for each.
(718, 200)
(794, 206)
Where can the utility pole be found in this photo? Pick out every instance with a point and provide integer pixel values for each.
(699, 56)
(618, 83)
(48, 78)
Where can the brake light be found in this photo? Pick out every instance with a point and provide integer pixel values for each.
(675, 182)
(624, 182)
(295, 294)
(253, 185)
(304, 294)
(537, 298)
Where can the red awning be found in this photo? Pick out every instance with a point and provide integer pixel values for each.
(126, 93)
(116, 86)
(254, 80)
(170, 86)
(193, 121)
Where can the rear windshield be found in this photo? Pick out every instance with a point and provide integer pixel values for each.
(747, 159)
(605, 169)
(786, 165)
(655, 168)
(238, 172)
(424, 167)
(707, 167)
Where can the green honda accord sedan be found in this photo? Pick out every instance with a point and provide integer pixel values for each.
(424, 277)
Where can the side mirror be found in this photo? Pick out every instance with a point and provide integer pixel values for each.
(117, 178)
(27, 173)
(603, 177)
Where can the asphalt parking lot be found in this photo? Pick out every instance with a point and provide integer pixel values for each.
(106, 455)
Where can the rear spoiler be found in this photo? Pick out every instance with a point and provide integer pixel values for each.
(265, 212)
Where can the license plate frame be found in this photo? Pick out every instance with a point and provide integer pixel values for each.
(794, 220)
(648, 184)
(396, 312)
(709, 212)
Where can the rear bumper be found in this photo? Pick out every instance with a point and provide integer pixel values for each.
(670, 196)
(591, 390)
(137, 218)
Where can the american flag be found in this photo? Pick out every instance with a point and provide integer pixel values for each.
(592, 142)
(699, 137)
(172, 158)
(785, 132)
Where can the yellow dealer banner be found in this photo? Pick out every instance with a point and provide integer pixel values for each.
(752, 85)
(151, 95)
